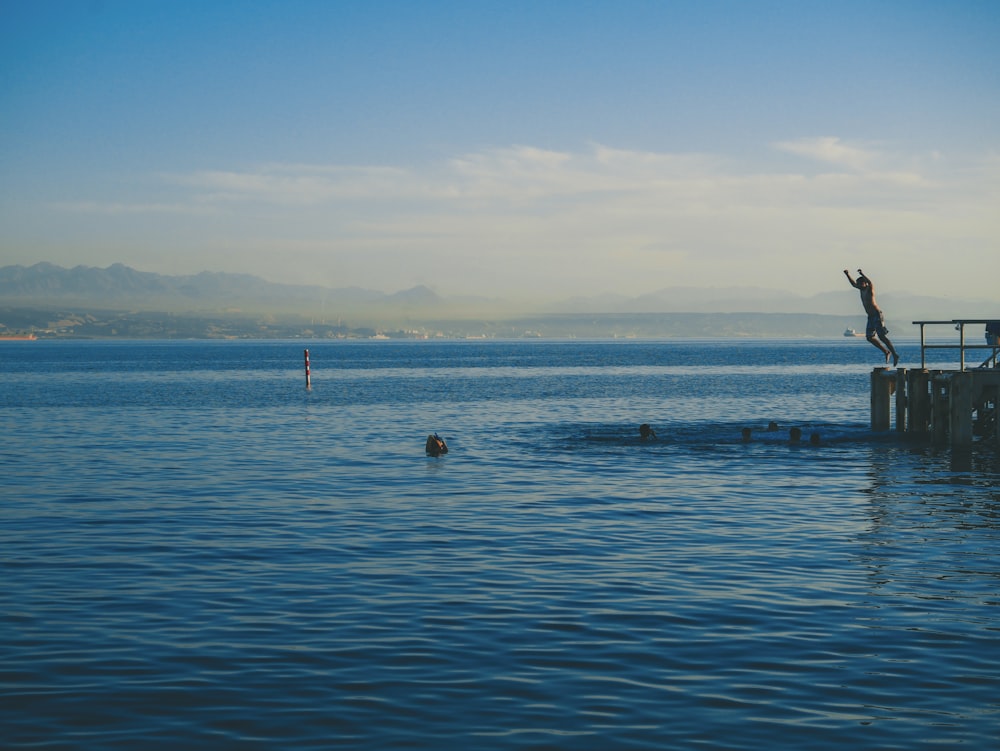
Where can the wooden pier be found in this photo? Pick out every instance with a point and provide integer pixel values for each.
(953, 407)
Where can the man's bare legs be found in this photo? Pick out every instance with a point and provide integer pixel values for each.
(886, 349)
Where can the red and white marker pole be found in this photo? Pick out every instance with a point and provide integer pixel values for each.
(308, 378)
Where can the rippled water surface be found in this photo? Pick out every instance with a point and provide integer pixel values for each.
(199, 553)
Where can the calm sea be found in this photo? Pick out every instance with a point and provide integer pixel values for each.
(199, 553)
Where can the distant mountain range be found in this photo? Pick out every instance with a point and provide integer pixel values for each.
(119, 287)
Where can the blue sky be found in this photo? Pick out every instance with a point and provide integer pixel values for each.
(527, 150)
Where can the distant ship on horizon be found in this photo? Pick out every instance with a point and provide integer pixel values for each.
(851, 332)
(17, 337)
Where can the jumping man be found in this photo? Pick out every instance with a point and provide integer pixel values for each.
(875, 331)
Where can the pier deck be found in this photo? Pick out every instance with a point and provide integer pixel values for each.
(953, 407)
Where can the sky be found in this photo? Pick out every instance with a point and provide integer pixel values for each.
(524, 150)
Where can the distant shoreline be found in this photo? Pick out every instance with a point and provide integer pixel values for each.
(88, 323)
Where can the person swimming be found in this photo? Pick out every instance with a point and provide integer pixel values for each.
(646, 432)
(435, 445)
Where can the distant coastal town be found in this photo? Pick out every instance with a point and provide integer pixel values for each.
(20, 324)
(25, 323)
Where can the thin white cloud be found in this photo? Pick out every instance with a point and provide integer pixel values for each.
(516, 174)
(599, 218)
(519, 175)
(116, 208)
(291, 184)
(831, 150)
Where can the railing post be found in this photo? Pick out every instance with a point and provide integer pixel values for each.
(961, 346)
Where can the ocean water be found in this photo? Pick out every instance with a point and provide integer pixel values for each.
(196, 552)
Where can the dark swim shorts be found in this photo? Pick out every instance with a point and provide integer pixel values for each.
(876, 325)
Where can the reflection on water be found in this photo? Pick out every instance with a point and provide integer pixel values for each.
(931, 568)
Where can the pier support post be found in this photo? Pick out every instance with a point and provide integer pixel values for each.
(961, 409)
(308, 376)
(941, 384)
(919, 401)
(880, 400)
(994, 419)
(996, 414)
(902, 399)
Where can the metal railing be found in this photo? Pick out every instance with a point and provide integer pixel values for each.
(959, 324)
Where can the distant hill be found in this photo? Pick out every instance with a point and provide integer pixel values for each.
(119, 287)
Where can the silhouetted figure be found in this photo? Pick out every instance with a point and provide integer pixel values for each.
(435, 445)
(993, 339)
(746, 435)
(772, 426)
(993, 333)
(875, 331)
(646, 432)
(795, 435)
(814, 439)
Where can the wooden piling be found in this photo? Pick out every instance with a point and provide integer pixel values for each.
(960, 417)
(880, 400)
(308, 376)
(918, 396)
(995, 393)
(940, 394)
(996, 415)
(902, 398)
